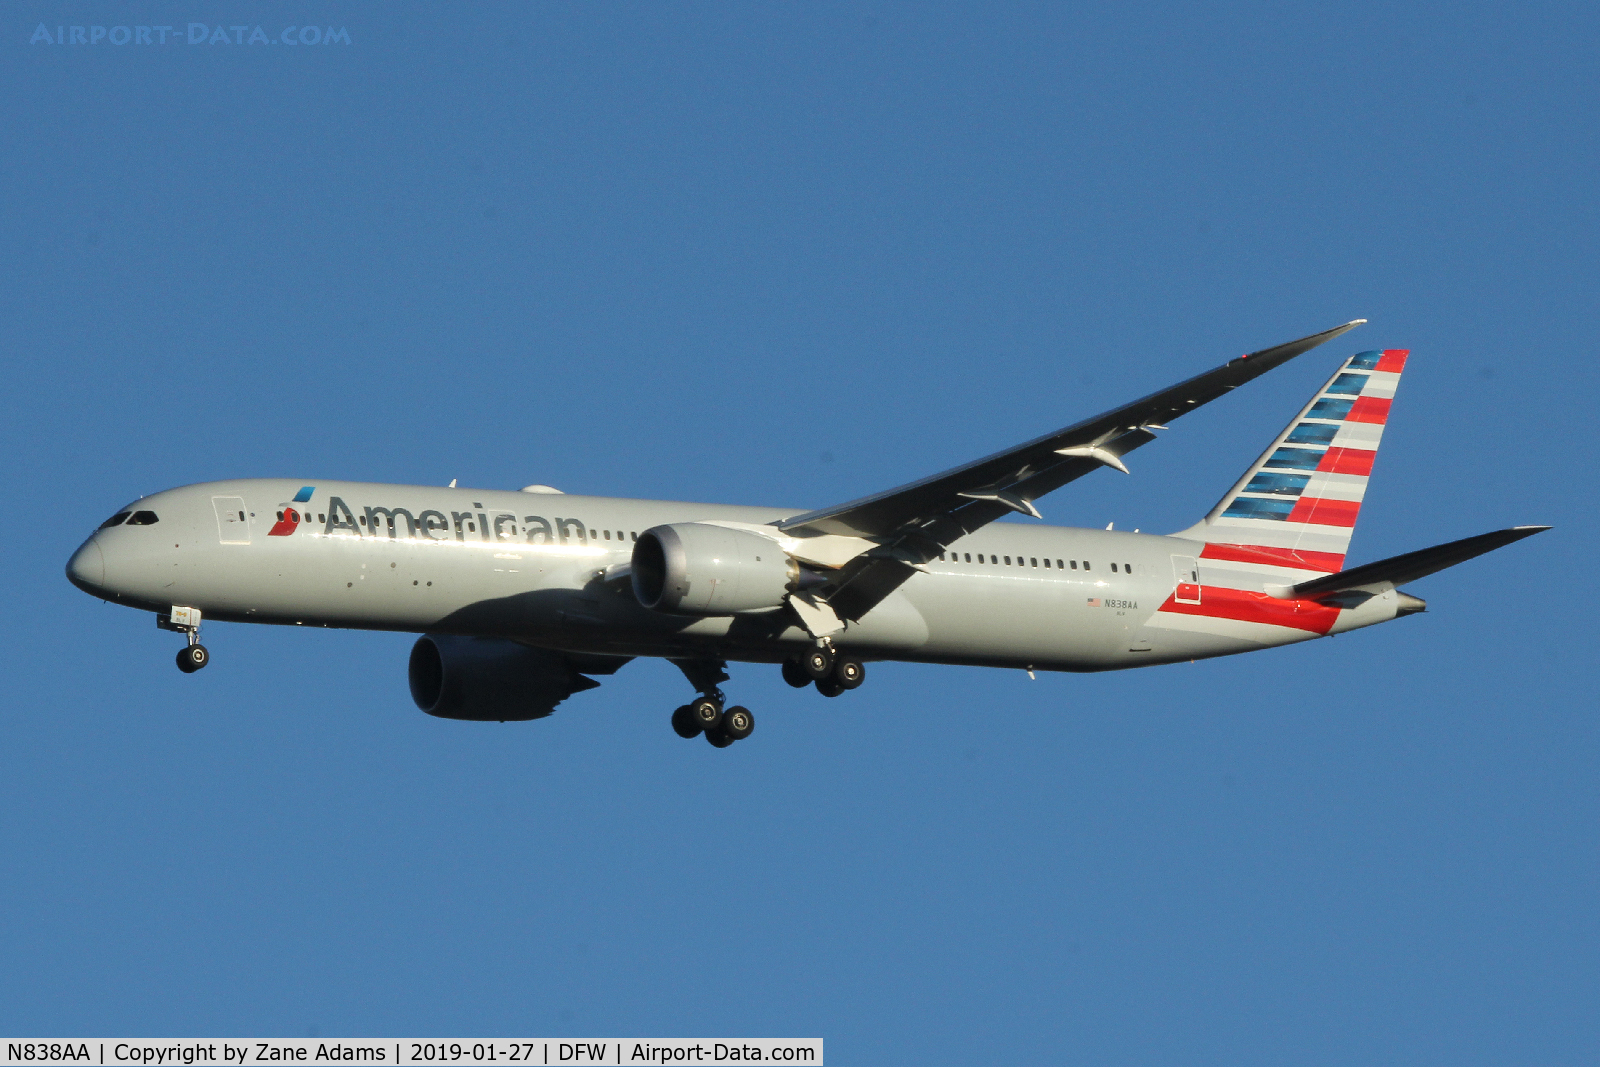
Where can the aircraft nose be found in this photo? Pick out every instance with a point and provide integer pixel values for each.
(87, 567)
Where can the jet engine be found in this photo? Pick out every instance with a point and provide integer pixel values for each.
(695, 568)
(489, 679)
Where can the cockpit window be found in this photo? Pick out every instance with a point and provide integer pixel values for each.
(115, 520)
(143, 518)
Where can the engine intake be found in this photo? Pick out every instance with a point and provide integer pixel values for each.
(695, 568)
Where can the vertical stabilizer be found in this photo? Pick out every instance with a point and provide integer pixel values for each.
(1292, 514)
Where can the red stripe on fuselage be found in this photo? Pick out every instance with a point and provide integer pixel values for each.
(1369, 409)
(1394, 360)
(1242, 606)
(1325, 512)
(1328, 562)
(1347, 461)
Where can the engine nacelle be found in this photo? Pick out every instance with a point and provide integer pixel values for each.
(695, 568)
(488, 679)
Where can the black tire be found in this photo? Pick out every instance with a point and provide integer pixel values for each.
(738, 723)
(818, 664)
(718, 738)
(794, 672)
(849, 673)
(192, 657)
(682, 724)
(706, 713)
(183, 661)
(828, 687)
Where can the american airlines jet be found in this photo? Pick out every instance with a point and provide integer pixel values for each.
(522, 597)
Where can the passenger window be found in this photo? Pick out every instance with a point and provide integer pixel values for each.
(980, 557)
(633, 535)
(143, 518)
(1074, 564)
(1059, 567)
(1113, 568)
(608, 535)
(1085, 564)
(470, 526)
(321, 517)
(363, 521)
(280, 516)
(1035, 562)
(1127, 568)
(1008, 561)
(1047, 564)
(116, 520)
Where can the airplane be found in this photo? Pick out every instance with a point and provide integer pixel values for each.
(523, 597)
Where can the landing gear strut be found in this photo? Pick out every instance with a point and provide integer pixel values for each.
(705, 714)
(186, 621)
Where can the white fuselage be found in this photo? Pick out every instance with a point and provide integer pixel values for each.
(533, 567)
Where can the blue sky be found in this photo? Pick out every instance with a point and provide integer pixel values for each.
(789, 255)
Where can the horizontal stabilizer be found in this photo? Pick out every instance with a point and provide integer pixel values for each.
(1398, 570)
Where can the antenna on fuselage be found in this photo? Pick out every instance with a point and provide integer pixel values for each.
(452, 484)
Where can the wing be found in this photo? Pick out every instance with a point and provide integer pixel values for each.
(914, 523)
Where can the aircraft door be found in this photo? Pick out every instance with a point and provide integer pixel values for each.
(1186, 571)
(233, 523)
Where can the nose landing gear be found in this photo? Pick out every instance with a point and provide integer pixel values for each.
(186, 621)
(192, 657)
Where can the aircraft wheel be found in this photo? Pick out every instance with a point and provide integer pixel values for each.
(849, 673)
(828, 687)
(682, 724)
(706, 714)
(192, 657)
(738, 723)
(718, 738)
(818, 664)
(794, 672)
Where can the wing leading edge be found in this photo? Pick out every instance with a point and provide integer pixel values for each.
(915, 522)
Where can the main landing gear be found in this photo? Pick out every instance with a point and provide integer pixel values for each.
(186, 621)
(825, 668)
(705, 714)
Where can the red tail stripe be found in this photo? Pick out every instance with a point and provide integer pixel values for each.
(1370, 409)
(1347, 461)
(1328, 562)
(1394, 360)
(1242, 606)
(1325, 512)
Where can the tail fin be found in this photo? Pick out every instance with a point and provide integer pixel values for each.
(1293, 512)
